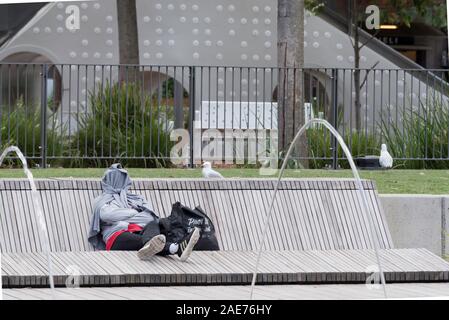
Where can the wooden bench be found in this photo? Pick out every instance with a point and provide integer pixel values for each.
(309, 214)
(313, 219)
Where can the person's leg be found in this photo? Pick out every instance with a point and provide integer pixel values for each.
(183, 249)
(186, 245)
(150, 230)
(128, 241)
(153, 229)
(155, 242)
(154, 246)
(134, 242)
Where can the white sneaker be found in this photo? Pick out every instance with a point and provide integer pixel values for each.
(155, 245)
(187, 244)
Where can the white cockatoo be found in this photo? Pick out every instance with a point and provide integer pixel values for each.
(210, 173)
(385, 159)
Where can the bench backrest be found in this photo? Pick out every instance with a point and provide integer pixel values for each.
(309, 214)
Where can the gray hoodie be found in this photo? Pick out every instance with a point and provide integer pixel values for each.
(116, 208)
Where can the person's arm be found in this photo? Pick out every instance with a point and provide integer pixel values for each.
(111, 214)
(146, 207)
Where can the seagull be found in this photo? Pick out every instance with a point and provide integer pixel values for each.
(385, 159)
(208, 172)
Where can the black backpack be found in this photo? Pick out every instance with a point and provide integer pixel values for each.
(183, 220)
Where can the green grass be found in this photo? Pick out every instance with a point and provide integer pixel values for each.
(393, 181)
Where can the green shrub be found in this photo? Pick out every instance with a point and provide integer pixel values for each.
(422, 133)
(168, 90)
(320, 143)
(21, 127)
(122, 123)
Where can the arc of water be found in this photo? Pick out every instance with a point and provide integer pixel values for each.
(360, 188)
(37, 207)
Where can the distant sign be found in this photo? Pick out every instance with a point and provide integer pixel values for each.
(391, 41)
(237, 115)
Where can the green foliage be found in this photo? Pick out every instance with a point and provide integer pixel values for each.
(320, 143)
(21, 127)
(406, 11)
(421, 133)
(431, 12)
(122, 123)
(126, 123)
(168, 90)
(314, 6)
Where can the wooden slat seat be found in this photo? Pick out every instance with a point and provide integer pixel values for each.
(318, 234)
(122, 268)
(318, 214)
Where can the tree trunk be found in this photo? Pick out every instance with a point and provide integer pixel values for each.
(128, 39)
(355, 33)
(178, 91)
(291, 76)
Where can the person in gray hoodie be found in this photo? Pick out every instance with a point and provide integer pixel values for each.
(125, 221)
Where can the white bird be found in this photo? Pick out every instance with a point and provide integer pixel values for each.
(385, 159)
(210, 173)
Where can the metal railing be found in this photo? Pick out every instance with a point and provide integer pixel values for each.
(84, 115)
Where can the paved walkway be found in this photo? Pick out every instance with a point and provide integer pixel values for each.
(289, 292)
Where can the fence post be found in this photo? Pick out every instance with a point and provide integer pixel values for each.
(192, 91)
(43, 146)
(334, 117)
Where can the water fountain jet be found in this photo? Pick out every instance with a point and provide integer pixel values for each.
(37, 207)
(360, 188)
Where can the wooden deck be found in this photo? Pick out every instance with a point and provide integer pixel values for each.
(222, 267)
(274, 292)
(319, 234)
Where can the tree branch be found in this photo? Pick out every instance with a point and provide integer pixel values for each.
(366, 75)
(352, 41)
(369, 39)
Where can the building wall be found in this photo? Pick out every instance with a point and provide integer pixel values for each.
(418, 221)
(211, 33)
